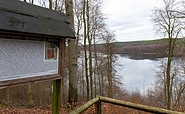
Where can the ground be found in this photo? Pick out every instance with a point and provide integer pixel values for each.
(106, 109)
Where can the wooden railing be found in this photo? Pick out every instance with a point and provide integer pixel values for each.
(97, 101)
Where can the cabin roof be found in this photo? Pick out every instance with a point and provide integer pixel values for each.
(24, 18)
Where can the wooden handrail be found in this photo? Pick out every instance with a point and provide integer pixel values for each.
(85, 106)
(138, 106)
(97, 101)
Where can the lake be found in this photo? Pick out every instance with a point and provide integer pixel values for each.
(136, 74)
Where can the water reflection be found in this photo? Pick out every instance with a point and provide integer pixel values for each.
(137, 74)
(143, 56)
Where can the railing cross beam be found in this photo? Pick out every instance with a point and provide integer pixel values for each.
(98, 105)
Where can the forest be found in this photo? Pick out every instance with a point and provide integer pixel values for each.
(91, 58)
(156, 48)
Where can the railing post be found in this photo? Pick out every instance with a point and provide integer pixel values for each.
(56, 96)
(98, 107)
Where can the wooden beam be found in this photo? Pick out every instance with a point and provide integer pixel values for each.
(97, 101)
(56, 103)
(56, 96)
(138, 106)
(21, 81)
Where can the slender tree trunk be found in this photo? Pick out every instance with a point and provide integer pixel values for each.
(168, 70)
(165, 88)
(50, 4)
(85, 48)
(96, 73)
(72, 56)
(56, 4)
(111, 77)
(99, 81)
(102, 84)
(90, 52)
(31, 1)
(94, 83)
(109, 72)
(83, 82)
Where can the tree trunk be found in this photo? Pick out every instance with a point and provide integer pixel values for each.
(56, 4)
(96, 72)
(168, 82)
(83, 81)
(102, 84)
(90, 52)
(72, 56)
(85, 48)
(50, 4)
(168, 77)
(109, 73)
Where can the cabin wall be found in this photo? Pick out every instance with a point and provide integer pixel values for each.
(22, 58)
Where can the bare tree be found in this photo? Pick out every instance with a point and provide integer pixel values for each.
(109, 49)
(89, 47)
(72, 56)
(85, 47)
(158, 94)
(171, 26)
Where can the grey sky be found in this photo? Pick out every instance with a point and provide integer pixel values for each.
(131, 20)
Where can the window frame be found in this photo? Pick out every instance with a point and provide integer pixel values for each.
(45, 53)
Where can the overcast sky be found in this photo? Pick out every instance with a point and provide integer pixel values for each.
(131, 20)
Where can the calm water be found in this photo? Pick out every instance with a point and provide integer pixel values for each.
(137, 74)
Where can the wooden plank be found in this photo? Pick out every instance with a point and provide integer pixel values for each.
(21, 81)
(138, 106)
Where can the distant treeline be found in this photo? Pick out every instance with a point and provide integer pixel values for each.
(156, 48)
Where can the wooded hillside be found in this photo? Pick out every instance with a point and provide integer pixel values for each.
(157, 48)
